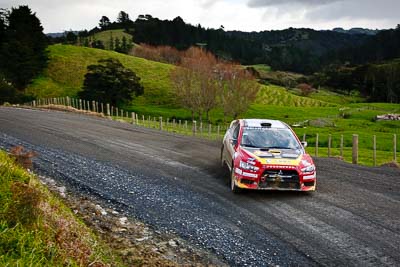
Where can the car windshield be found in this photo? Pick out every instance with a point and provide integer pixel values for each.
(269, 138)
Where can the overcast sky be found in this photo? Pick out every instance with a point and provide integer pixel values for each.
(244, 15)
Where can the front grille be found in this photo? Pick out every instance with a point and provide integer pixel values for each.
(280, 179)
(246, 181)
(309, 183)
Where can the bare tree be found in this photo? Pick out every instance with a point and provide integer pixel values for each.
(237, 89)
(196, 72)
(202, 83)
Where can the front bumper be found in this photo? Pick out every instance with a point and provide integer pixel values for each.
(286, 180)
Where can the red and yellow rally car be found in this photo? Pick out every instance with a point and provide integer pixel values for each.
(266, 155)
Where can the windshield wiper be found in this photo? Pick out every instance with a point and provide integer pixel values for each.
(249, 145)
(277, 147)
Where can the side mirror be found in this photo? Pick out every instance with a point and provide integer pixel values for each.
(304, 143)
(233, 142)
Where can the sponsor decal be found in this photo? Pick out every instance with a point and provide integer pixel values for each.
(247, 174)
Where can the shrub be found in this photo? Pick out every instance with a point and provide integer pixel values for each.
(305, 89)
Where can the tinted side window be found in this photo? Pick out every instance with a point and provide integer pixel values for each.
(232, 127)
(235, 134)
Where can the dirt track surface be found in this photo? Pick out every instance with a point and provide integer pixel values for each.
(176, 185)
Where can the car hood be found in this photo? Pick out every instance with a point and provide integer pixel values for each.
(276, 156)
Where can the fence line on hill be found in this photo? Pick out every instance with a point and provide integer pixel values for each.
(186, 127)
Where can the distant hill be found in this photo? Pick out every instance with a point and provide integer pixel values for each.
(68, 65)
(356, 31)
(59, 34)
(298, 50)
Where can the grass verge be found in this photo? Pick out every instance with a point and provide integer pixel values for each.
(37, 229)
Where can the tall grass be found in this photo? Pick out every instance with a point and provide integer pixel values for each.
(36, 229)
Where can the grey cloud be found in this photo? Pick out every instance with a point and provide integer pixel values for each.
(268, 3)
(208, 3)
(358, 9)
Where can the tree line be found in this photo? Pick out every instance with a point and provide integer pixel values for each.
(325, 55)
(22, 52)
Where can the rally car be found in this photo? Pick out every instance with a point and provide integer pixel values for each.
(266, 155)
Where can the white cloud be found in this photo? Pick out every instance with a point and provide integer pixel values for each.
(263, 3)
(245, 15)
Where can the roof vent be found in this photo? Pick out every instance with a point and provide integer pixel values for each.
(266, 124)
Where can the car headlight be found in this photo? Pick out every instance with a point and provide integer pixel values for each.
(308, 169)
(247, 166)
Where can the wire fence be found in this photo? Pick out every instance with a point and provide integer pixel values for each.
(343, 148)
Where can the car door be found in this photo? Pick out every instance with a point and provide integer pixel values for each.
(231, 142)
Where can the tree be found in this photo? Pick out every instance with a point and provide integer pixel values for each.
(123, 17)
(71, 37)
(98, 44)
(110, 82)
(117, 44)
(22, 53)
(104, 22)
(237, 89)
(305, 89)
(3, 18)
(195, 86)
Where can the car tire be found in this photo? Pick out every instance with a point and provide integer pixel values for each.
(222, 157)
(234, 188)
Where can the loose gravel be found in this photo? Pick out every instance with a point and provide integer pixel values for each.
(163, 203)
(175, 184)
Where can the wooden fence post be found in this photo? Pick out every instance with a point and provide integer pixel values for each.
(186, 125)
(374, 148)
(329, 145)
(395, 148)
(304, 137)
(201, 128)
(108, 110)
(209, 130)
(161, 126)
(316, 145)
(80, 104)
(194, 128)
(143, 120)
(341, 146)
(355, 149)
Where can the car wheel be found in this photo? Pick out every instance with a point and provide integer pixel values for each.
(235, 189)
(222, 157)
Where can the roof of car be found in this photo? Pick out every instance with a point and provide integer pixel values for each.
(262, 122)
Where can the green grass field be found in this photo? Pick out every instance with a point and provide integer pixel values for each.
(67, 67)
(324, 112)
(105, 36)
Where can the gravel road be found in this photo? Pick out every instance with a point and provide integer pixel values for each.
(176, 185)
